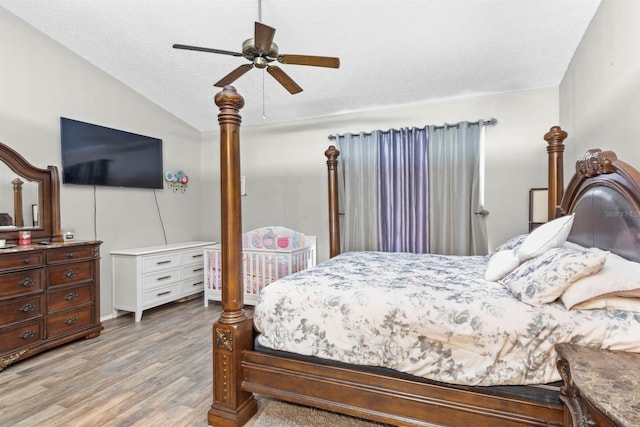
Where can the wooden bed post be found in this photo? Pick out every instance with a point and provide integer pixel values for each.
(555, 149)
(332, 154)
(233, 332)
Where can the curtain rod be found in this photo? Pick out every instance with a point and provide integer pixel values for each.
(490, 122)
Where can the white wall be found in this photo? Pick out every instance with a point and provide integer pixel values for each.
(599, 95)
(41, 81)
(285, 167)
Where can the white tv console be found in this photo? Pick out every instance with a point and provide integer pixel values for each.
(150, 276)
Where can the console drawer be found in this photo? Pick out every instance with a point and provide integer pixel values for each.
(16, 337)
(69, 297)
(21, 283)
(69, 321)
(18, 310)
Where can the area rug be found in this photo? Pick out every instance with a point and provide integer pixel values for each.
(280, 414)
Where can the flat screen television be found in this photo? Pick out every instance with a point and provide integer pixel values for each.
(98, 155)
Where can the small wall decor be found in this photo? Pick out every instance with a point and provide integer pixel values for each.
(178, 181)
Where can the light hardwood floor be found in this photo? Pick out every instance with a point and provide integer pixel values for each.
(153, 373)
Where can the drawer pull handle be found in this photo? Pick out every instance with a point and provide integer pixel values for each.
(70, 273)
(27, 308)
(71, 320)
(198, 256)
(26, 261)
(163, 293)
(27, 335)
(198, 284)
(195, 270)
(71, 296)
(163, 262)
(71, 255)
(27, 282)
(163, 278)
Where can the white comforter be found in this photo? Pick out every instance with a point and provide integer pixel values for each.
(431, 316)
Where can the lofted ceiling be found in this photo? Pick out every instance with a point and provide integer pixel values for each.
(391, 52)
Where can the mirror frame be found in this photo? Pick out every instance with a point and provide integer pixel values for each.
(48, 181)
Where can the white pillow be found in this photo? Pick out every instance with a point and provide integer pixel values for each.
(542, 279)
(610, 303)
(512, 243)
(618, 277)
(550, 235)
(500, 264)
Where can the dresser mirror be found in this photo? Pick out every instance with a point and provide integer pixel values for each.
(29, 199)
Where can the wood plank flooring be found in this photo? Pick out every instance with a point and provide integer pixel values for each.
(153, 373)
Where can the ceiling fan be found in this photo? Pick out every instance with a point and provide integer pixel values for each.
(261, 51)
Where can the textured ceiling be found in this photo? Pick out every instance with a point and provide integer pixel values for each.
(391, 52)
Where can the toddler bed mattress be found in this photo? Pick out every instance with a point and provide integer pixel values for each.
(432, 316)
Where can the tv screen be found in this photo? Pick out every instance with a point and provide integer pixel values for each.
(98, 155)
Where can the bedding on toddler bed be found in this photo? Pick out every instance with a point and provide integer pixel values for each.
(429, 315)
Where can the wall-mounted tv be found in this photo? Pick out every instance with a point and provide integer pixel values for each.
(98, 155)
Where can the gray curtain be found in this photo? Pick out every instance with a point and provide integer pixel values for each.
(456, 227)
(357, 190)
(403, 190)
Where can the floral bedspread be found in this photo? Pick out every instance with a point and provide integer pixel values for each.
(428, 315)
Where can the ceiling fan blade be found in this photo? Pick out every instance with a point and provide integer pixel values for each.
(206, 49)
(284, 79)
(316, 61)
(263, 37)
(234, 75)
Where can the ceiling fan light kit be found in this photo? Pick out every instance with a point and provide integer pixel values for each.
(261, 51)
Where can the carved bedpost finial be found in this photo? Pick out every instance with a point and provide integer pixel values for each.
(555, 149)
(596, 162)
(230, 97)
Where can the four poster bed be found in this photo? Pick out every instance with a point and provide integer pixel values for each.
(342, 346)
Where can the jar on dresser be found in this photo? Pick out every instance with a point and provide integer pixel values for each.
(49, 295)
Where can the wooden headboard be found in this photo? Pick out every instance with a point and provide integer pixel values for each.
(603, 194)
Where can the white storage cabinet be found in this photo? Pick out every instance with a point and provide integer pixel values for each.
(260, 266)
(150, 276)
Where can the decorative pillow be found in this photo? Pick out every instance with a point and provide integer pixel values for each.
(543, 279)
(500, 264)
(512, 243)
(618, 277)
(549, 235)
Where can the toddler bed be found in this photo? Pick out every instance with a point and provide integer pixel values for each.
(448, 373)
(268, 254)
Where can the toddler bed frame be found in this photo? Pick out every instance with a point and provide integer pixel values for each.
(240, 370)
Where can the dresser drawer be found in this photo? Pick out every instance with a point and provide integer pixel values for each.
(69, 297)
(160, 278)
(70, 273)
(16, 337)
(160, 262)
(194, 270)
(195, 256)
(20, 309)
(21, 283)
(69, 321)
(70, 254)
(191, 286)
(21, 260)
(156, 296)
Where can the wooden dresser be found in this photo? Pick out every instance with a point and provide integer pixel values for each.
(49, 295)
